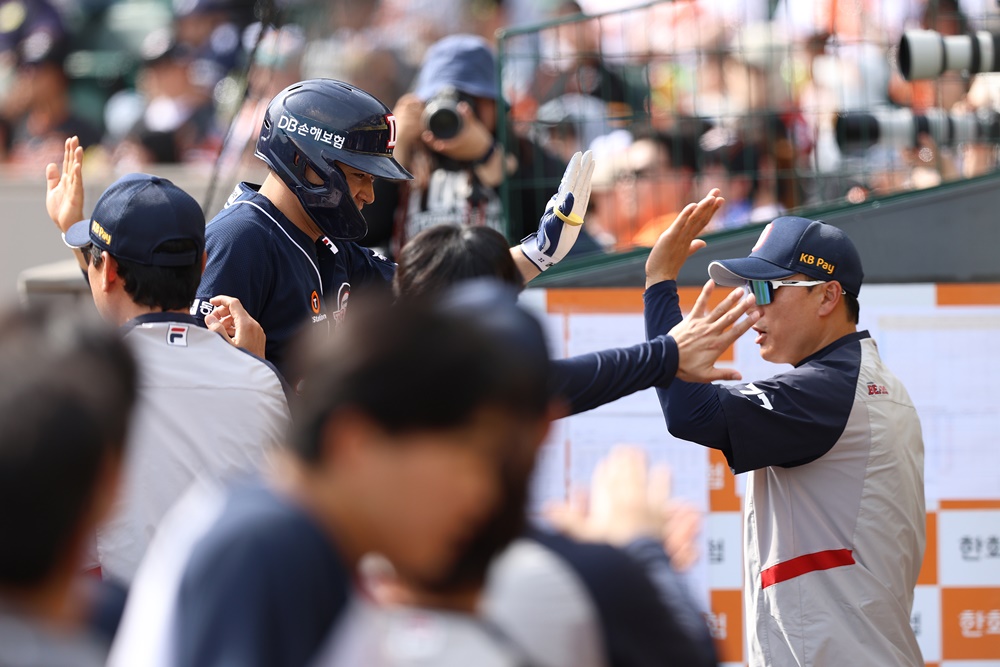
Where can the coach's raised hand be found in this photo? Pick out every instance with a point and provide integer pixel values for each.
(678, 242)
(704, 335)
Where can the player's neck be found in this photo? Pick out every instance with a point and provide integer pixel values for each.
(285, 201)
(131, 310)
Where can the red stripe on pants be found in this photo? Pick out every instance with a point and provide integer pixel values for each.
(821, 560)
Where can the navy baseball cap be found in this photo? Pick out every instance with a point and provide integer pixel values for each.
(138, 213)
(464, 62)
(790, 245)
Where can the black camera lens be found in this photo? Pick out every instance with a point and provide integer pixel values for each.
(444, 123)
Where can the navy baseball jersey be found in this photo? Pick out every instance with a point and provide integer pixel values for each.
(834, 520)
(283, 278)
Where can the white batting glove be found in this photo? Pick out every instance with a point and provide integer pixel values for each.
(559, 226)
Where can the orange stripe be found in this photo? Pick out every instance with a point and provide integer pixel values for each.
(929, 569)
(595, 300)
(821, 560)
(969, 504)
(968, 294)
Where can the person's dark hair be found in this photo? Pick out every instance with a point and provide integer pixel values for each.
(164, 287)
(441, 256)
(853, 307)
(680, 145)
(423, 365)
(64, 407)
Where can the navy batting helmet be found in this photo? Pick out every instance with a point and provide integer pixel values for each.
(313, 123)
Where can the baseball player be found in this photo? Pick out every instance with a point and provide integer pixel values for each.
(206, 408)
(286, 248)
(834, 510)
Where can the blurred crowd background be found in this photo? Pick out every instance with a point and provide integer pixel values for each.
(673, 97)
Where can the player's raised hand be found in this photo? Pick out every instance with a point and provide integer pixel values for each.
(703, 336)
(560, 224)
(678, 241)
(627, 500)
(231, 320)
(64, 189)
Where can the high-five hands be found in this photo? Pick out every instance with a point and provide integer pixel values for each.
(560, 224)
(704, 335)
(678, 241)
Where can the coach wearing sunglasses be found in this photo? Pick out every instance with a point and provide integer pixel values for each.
(834, 508)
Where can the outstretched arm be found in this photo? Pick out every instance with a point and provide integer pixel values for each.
(64, 191)
(689, 352)
(692, 411)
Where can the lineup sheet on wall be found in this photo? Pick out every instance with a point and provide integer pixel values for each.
(944, 344)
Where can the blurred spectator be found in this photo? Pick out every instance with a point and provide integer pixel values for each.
(458, 171)
(177, 121)
(277, 65)
(37, 114)
(653, 180)
(205, 407)
(570, 123)
(406, 419)
(62, 444)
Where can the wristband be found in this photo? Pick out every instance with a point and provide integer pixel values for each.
(489, 154)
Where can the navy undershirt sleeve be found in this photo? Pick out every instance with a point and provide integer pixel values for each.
(788, 420)
(693, 411)
(590, 380)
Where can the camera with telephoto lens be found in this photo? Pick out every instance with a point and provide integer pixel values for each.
(927, 54)
(441, 115)
(901, 128)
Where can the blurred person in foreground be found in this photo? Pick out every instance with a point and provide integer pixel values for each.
(64, 410)
(206, 407)
(406, 416)
(589, 604)
(520, 595)
(834, 508)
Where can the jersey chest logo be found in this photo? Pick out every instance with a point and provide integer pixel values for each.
(314, 302)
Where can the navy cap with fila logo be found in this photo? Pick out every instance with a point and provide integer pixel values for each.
(136, 215)
(790, 245)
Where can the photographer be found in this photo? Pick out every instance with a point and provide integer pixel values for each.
(446, 137)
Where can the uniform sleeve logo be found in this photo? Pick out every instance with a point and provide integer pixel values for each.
(391, 122)
(314, 302)
(753, 391)
(177, 335)
(877, 389)
(201, 307)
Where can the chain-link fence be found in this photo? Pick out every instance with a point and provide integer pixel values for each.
(801, 106)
